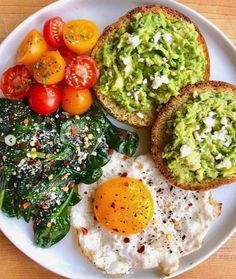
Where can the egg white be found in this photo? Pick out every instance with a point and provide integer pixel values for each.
(179, 223)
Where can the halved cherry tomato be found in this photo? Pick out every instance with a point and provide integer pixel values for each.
(76, 101)
(50, 68)
(67, 54)
(32, 48)
(16, 82)
(80, 35)
(52, 31)
(82, 72)
(44, 99)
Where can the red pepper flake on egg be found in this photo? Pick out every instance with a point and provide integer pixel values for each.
(126, 240)
(124, 174)
(141, 249)
(84, 231)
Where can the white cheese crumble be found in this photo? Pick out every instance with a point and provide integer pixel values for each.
(126, 60)
(128, 68)
(209, 121)
(185, 150)
(167, 37)
(164, 59)
(134, 40)
(225, 164)
(136, 95)
(141, 60)
(219, 156)
(195, 94)
(156, 38)
(198, 137)
(145, 81)
(159, 80)
(224, 121)
(140, 115)
(10, 140)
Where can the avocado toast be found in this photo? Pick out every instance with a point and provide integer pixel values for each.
(193, 138)
(144, 59)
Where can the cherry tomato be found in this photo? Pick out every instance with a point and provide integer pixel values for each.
(67, 54)
(76, 101)
(44, 99)
(82, 72)
(16, 82)
(80, 35)
(52, 32)
(32, 48)
(50, 68)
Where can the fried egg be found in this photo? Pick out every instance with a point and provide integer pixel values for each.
(131, 218)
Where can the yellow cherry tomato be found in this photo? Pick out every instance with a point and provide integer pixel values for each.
(32, 48)
(76, 101)
(50, 68)
(80, 35)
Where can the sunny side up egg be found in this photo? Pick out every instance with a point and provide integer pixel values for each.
(132, 219)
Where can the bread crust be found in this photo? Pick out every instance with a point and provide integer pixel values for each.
(110, 105)
(159, 137)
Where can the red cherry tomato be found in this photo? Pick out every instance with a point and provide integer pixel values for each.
(44, 99)
(82, 72)
(16, 82)
(53, 31)
(67, 54)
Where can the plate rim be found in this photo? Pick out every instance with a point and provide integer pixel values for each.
(189, 12)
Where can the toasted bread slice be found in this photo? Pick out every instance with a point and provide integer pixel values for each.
(160, 137)
(108, 103)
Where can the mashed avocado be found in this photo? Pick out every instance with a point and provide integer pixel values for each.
(203, 138)
(148, 60)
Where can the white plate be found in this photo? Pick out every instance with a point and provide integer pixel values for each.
(64, 258)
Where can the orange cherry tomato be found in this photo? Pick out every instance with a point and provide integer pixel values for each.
(32, 48)
(80, 35)
(50, 69)
(76, 101)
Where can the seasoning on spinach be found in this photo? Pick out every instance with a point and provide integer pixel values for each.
(44, 158)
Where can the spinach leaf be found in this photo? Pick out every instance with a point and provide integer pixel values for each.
(11, 112)
(51, 155)
(52, 227)
(125, 142)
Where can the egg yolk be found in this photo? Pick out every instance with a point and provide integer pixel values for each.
(123, 205)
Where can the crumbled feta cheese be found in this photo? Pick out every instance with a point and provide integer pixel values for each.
(225, 164)
(140, 115)
(141, 60)
(209, 121)
(167, 37)
(219, 156)
(134, 41)
(228, 141)
(10, 140)
(145, 81)
(159, 80)
(136, 98)
(220, 135)
(128, 94)
(126, 60)
(128, 68)
(197, 127)
(156, 38)
(165, 59)
(185, 150)
(1, 120)
(198, 137)
(224, 121)
(211, 113)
